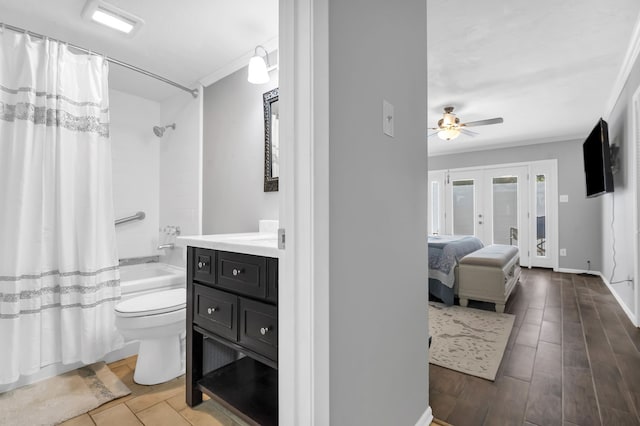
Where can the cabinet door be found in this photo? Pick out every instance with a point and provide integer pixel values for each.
(204, 266)
(259, 327)
(242, 273)
(216, 311)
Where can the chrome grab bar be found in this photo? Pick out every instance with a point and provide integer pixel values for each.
(137, 216)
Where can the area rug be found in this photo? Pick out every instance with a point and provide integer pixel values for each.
(468, 340)
(60, 398)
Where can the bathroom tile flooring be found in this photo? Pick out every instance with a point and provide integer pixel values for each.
(157, 405)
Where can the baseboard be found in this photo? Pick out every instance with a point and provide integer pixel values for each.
(577, 271)
(631, 315)
(426, 418)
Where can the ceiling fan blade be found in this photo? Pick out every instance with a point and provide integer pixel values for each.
(468, 132)
(434, 133)
(497, 120)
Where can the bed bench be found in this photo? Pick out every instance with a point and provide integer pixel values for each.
(489, 274)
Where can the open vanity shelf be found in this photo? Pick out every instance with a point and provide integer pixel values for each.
(232, 298)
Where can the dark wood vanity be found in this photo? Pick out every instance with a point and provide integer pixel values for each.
(232, 298)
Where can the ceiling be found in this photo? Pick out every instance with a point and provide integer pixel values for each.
(183, 41)
(547, 67)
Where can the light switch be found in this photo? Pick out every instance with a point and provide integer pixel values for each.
(564, 198)
(387, 118)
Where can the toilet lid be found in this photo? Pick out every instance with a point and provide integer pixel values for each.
(153, 303)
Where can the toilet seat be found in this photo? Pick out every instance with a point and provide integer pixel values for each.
(161, 302)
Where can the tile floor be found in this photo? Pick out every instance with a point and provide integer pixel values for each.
(158, 405)
(573, 358)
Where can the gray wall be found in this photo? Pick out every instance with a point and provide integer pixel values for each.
(617, 208)
(378, 216)
(233, 196)
(579, 220)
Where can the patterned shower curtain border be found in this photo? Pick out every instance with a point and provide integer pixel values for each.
(68, 289)
(53, 117)
(56, 272)
(58, 305)
(51, 96)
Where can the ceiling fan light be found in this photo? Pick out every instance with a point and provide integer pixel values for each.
(448, 134)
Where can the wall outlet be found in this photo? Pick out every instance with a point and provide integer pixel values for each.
(564, 198)
(387, 118)
(563, 252)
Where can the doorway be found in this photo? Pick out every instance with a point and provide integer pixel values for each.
(512, 204)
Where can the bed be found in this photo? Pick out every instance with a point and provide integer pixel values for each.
(445, 251)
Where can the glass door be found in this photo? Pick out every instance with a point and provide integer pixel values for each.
(436, 211)
(501, 204)
(506, 209)
(465, 204)
(541, 249)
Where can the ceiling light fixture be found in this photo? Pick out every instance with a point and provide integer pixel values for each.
(111, 16)
(449, 133)
(258, 73)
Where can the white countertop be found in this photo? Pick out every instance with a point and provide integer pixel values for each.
(256, 243)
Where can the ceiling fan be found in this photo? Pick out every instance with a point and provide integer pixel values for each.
(449, 126)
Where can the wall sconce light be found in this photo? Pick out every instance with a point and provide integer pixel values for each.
(258, 73)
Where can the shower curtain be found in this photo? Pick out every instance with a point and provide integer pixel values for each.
(59, 278)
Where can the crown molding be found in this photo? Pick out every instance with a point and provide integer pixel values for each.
(633, 50)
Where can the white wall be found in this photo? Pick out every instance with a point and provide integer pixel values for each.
(181, 170)
(377, 213)
(233, 192)
(135, 152)
(617, 208)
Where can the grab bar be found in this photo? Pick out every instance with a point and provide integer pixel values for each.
(137, 216)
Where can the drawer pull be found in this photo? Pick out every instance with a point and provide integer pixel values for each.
(236, 272)
(265, 330)
(201, 264)
(211, 310)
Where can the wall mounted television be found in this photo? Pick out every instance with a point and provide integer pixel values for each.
(597, 161)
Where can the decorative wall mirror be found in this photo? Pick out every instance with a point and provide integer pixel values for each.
(271, 140)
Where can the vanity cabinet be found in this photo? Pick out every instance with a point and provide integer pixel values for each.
(232, 298)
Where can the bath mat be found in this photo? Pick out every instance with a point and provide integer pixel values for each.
(468, 340)
(60, 398)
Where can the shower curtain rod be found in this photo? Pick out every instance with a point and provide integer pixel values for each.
(194, 92)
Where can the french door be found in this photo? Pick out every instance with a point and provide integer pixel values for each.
(491, 204)
(509, 204)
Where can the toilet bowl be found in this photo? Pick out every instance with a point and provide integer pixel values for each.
(157, 320)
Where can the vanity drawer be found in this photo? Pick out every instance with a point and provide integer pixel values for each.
(204, 265)
(242, 273)
(216, 311)
(272, 280)
(259, 327)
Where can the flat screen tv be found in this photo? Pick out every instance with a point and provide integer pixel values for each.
(597, 161)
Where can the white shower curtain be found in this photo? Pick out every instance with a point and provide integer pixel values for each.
(59, 278)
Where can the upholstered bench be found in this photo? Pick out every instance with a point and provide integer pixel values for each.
(489, 274)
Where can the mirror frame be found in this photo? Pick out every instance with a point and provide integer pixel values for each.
(270, 182)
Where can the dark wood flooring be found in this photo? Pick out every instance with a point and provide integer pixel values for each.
(573, 358)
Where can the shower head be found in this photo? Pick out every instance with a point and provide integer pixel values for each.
(159, 130)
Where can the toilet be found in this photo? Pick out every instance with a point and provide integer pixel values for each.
(158, 321)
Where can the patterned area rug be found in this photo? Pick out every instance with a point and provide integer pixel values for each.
(468, 340)
(60, 398)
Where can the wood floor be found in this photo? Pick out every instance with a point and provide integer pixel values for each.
(573, 358)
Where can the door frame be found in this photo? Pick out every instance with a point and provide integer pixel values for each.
(550, 166)
(303, 301)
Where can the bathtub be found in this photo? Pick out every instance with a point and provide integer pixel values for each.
(136, 280)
